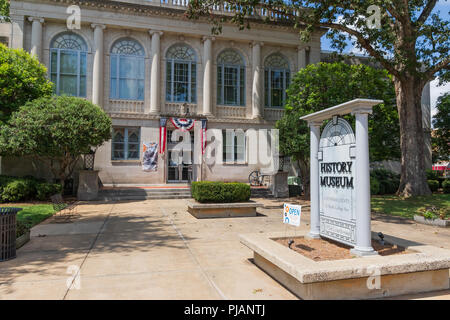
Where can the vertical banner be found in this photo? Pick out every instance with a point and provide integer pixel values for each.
(162, 135)
(203, 133)
(150, 157)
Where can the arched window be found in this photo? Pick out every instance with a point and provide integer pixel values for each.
(68, 53)
(230, 79)
(276, 80)
(127, 70)
(181, 74)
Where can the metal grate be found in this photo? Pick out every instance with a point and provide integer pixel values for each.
(8, 233)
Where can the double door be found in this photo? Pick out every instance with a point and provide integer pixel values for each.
(179, 156)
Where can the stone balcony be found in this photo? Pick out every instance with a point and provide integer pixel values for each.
(230, 112)
(273, 114)
(180, 109)
(126, 106)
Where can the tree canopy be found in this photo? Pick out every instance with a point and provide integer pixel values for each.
(57, 130)
(325, 85)
(22, 79)
(441, 134)
(4, 10)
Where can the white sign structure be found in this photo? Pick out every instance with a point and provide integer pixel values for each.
(339, 176)
(292, 214)
(337, 182)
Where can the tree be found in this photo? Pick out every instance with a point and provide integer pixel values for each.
(322, 85)
(441, 134)
(4, 10)
(405, 37)
(22, 79)
(56, 130)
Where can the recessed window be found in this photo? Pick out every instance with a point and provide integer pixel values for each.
(276, 80)
(181, 74)
(125, 143)
(230, 79)
(68, 53)
(234, 146)
(127, 70)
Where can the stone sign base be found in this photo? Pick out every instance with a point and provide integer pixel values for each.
(223, 210)
(358, 278)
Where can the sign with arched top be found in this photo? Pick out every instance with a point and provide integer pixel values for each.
(337, 182)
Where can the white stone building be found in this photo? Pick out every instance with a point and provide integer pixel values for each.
(141, 60)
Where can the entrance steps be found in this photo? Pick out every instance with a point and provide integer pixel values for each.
(144, 193)
(260, 192)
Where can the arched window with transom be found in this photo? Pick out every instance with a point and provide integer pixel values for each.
(276, 80)
(230, 78)
(181, 74)
(68, 52)
(127, 70)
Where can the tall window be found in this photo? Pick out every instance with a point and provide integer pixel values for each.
(125, 143)
(276, 80)
(233, 145)
(127, 70)
(181, 74)
(68, 53)
(230, 79)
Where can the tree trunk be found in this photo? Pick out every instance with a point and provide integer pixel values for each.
(413, 180)
(304, 172)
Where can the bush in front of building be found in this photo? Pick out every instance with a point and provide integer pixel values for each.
(220, 192)
(433, 184)
(446, 186)
(388, 181)
(14, 189)
(374, 185)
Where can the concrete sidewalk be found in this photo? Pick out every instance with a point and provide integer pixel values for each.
(154, 249)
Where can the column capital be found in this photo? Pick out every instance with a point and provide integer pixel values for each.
(98, 25)
(212, 38)
(256, 43)
(39, 19)
(152, 32)
(314, 123)
(361, 110)
(303, 47)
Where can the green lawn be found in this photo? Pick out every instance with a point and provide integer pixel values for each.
(393, 205)
(33, 214)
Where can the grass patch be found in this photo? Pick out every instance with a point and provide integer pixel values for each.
(393, 205)
(32, 214)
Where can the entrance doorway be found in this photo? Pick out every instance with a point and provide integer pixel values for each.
(179, 156)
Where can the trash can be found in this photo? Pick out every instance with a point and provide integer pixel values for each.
(8, 233)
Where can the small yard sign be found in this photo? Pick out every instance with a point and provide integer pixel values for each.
(292, 214)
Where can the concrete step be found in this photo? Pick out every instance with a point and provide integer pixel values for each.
(118, 194)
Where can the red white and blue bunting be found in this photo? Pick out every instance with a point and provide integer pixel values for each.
(183, 124)
(203, 133)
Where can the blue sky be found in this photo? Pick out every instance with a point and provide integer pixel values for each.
(444, 7)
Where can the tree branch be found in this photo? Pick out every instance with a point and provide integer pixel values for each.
(441, 65)
(426, 12)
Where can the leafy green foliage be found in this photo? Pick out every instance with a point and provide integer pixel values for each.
(446, 186)
(440, 138)
(22, 79)
(4, 11)
(57, 130)
(387, 181)
(434, 185)
(31, 215)
(14, 189)
(220, 192)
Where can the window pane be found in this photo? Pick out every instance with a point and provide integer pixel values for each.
(83, 86)
(54, 61)
(119, 135)
(240, 145)
(113, 66)
(83, 63)
(68, 85)
(68, 62)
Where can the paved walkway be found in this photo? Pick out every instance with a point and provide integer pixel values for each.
(154, 249)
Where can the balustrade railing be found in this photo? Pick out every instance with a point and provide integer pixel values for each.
(126, 106)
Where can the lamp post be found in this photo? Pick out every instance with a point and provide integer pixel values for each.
(89, 160)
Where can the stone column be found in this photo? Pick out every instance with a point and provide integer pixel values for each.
(207, 75)
(314, 128)
(301, 56)
(17, 30)
(257, 95)
(155, 91)
(314, 53)
(36, 36)
(362, 181)
(97, 81)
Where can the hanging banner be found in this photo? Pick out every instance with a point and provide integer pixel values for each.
(203, 133)
(162, 135)
(150, 157)
(183, 124)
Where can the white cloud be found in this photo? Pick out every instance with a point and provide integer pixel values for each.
(435, 92)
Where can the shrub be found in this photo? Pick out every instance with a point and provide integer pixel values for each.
(45, 190)
(374, 186)
(220, 192)
(432, 174)
(446, 186)
(17, 190)
(22, 227)
(433, 184)
(388, 181)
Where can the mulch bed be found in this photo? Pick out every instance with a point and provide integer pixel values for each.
(325, 249)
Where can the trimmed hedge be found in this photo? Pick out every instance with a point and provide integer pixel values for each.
(386, 180)
(14, 189)
(433, 184)
(446, 186)
(220, 192)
